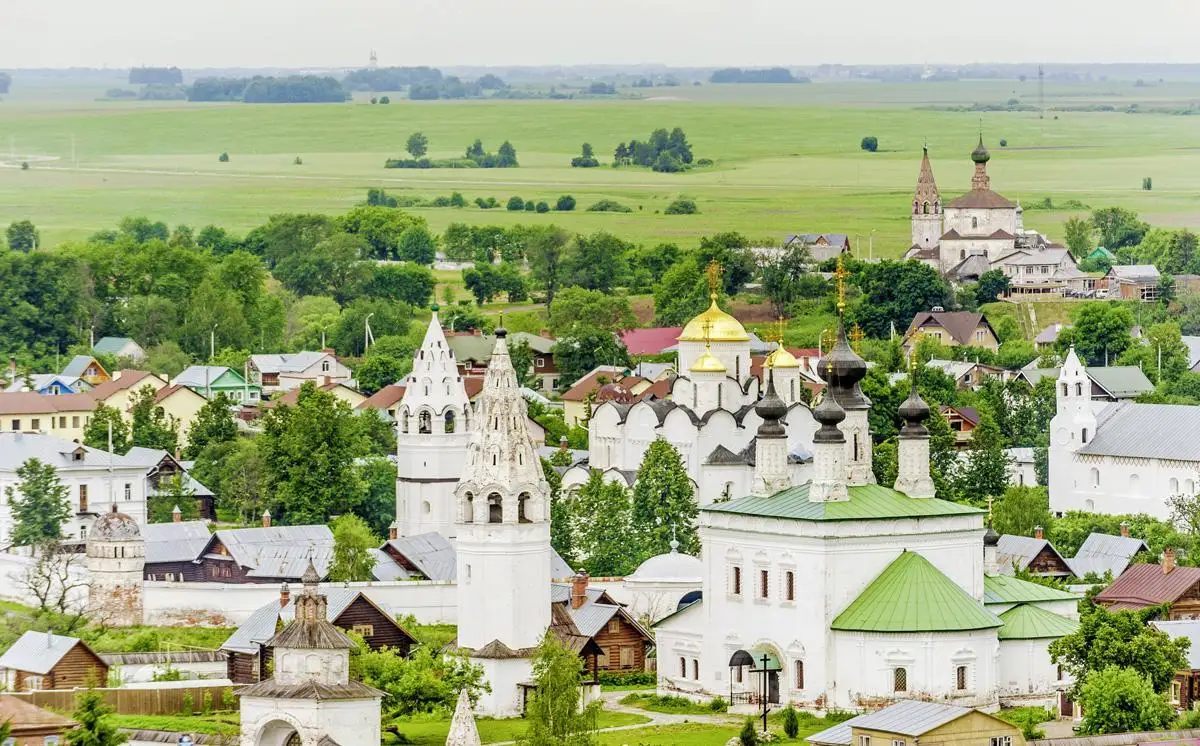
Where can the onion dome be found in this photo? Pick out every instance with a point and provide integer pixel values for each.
(771, 409)
(843, 370)
(708, 363)
(914, 411)
(714, 325)
(781, 358)
(435, 308)
(990, 537)
(114, 526)
(501, 332)
(980, 154)
(830, 415)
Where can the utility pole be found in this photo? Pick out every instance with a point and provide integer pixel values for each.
(367, 338)
(212, 344)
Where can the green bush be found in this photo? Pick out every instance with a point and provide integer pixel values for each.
(530, 206)
(626, 678)
(1003, 143)
(749, 734)
(718, 704)
(609, 205)
(791, 722)
(188, 706)
(384, 100)
(298, 162)
(565, 203)
(704, 162)
(223, 158)
(682, 207)
(870, 144)
(457, 200)
(515, 204)
(543, 207)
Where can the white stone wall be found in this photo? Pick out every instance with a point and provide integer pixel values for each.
(270, 722)
(504, 675)
(980, 221)
(503, 583)
(735, 356)
(1025, 668)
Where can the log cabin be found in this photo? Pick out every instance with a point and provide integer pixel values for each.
(43, 660)
(249, 657)
(31, 725)
(1142, 586)
(1033, 554)
(622, 640)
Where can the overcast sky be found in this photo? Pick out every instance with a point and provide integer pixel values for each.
(315, 33)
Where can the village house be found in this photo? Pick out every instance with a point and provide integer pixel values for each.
(267, 554)
(1047, 337)
(952, 328)
(283, 372)
(608, 383)
(472, 352)
(387, 400)
(46, 384)
(623, 641)
(1045, 271)
(1102, 555)
(1133, 282)
(210, 380)
(88, 368)
(120, 348)
(822, 246)
(31, 725)
(1185, 688)
(920, 723)
(1142, 586)
(340, 391)
(172, 550)
(1032, 554)
(650, 340)
(65, 416)
(161, 468)
(1110, 383)
(43, 660)
(250, 660)
(962, 421)
(182, 403)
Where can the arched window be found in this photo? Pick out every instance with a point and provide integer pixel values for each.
(682, 667)
(1189, 487)
(925, 208)
(468, 507)
(426, 507)
(1173, 486)
(695, 669)
(1134, 479)
(1094, 477)
(522, 508)
(737, 367)
(720, 395)
(1089, 505)
(495, 508)
(1083, 435)
(960, 678)
(916, 207)
(449, 418)
(974, 222)
(792, 390)
(1066, 391)
(900, 679)
(424, 423)
(1078, 389)
(799, 665)
(856, 446)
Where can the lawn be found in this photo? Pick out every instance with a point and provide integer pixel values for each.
(432, 732)
(216, 724)
(787, 159)
(668, 704)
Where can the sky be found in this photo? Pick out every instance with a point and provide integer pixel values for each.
(340, 33)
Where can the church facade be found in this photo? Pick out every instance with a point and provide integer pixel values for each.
(839, 592)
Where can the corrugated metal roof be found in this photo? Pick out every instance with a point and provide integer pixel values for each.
(431, 553)
(16, 448)
(1104, 552)
(1148, 585)
(591, 617)
(78, 365)
(1164, 431)
(911, 595)
(1001, 589)
(278, 551)
(1121, 381)
(37, 652)
(1189, 629)
(1028, 622)
(286, 362)
(175, 542)
(1018, 551)
(1135, 272)
(908, 717)
(867, 502)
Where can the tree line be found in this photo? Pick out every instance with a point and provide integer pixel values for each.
(293, 89)
(767, 75)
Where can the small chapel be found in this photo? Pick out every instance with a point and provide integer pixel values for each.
(840, 592)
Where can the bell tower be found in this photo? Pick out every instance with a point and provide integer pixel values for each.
(926, 207)
(503, 527)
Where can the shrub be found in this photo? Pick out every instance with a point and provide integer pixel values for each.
(486, 204)
(515, 203)
(1147, 184)
(374, 100)
(188, 706)
(791, 722)
(749, 735)
(457, 200)
(1003, 143)
(298, 162)
(206, 702)
(441, 202)
(667, 163)
(682, 207)
(870, 144)
(384, 100)
(609, 205)
(565, 203)
(223, 158)
(543, 207)
(228, 701)
(704, 162)
(718, 704)
(25, 164)
(530, 206)
(626, 678)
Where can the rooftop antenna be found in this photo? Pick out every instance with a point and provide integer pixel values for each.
(374, 60)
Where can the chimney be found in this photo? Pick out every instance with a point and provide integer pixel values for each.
(329, 351)
(1125, 529)
(393, 532)
(544, 332)
(1038, 532)
(1168, 560)
(285, 595)
(266, 519)
(176, 515)
(579, 584)
(178, 453)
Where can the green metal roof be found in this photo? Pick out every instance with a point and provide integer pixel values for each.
(1027, 622)
(1002, 589)
(867, 502)
(911, 595)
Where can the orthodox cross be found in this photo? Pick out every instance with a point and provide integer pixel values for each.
(856, 337)
(841, 274)
(714, 278)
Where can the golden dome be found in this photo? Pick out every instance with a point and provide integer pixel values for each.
(781, 358)
(714, 325)
(708, 363)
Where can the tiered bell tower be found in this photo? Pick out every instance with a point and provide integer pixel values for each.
(503, 529)
(431, 438)
(926, 208)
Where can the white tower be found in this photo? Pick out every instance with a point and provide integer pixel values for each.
(116, 558)
(503, 542)
(1073, 426)
(310, 699)
(829, 451)
(708, 376)
(771, 473)
(926, 208)
(432, 425)
(912, 477)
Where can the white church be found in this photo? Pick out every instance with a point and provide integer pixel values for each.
(710, 418)
(1119, 457)
(838, 592)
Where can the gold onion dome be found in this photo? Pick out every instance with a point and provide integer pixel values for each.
(781, 358)
(721, 327)
(708, 363)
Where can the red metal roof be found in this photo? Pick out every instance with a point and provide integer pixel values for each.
(1147, 585)
(650, 341)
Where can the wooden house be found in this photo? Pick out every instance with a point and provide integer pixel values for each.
(916, 722)
(270, 554)
(1141, 586)
(1032, 554)
(43, 660)
(622, 640)
(172, 550)
(1185, 688)
(963, 421)
(30, 725)
(952, 328)
(88, 368)
(348, 609)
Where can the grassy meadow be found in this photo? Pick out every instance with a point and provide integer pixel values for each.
(787, 158)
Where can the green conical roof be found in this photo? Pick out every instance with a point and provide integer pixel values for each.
(1002, 589)
(1026, 622)
(911, 595)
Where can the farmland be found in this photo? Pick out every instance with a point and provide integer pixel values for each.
(787, 158)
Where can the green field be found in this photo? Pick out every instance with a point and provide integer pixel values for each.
(787, 157)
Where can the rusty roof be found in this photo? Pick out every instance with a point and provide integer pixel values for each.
(984, 199)
(960, 324)
(1147, 585)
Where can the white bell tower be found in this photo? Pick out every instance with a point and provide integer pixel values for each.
(503, 530)
(1073, 427)
(432, 424)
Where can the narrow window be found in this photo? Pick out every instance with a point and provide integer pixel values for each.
(83, 498)
(864, 741)
(695, 669)
(737, 674)
(900, 680)
(856, 446)
(682, 667)
(764, 584)
(1065, 390)
(1085, 435)
(799, 674)
(960, 678)
(789, 585)
(737, 581)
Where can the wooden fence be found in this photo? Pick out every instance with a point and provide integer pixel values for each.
(1120, 739)
(165, 701)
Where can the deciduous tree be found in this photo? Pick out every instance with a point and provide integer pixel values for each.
(96, 432)
(1020, 509)
(39, 503)
(152, 427)
(1078, 233)
(213, 423)
(585, 348)
(553, 712)
(417, 145)
(352, 545)
(1121, 700)
(664, 503)
(602, 521)
(575, 306)
(1100, 334)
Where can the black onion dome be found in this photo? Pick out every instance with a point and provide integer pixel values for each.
(843, 370)
(990, 537)
(914, 411)
(980, 154)
(830, 414)
(771, 409)
(501, 332)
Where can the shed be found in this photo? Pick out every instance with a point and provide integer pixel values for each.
(43, 660)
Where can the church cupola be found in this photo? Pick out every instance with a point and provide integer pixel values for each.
(980, 156)
(784, 366)
(912, 451)
(843, 371)
(829, 451)
(771, 456)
